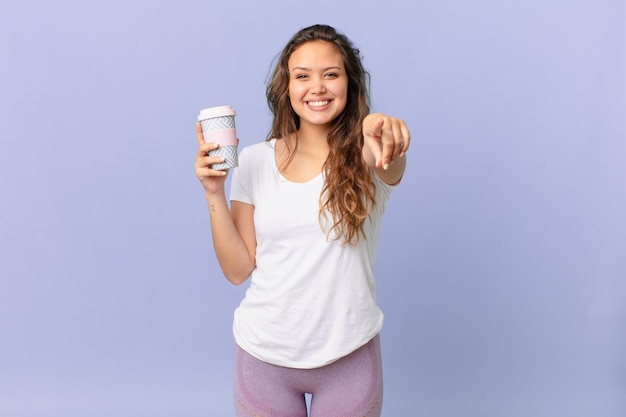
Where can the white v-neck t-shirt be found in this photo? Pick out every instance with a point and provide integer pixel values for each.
(311, 299)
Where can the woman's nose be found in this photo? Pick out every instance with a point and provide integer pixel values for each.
(319, 86)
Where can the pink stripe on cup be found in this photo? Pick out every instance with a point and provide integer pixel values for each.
(223, 137)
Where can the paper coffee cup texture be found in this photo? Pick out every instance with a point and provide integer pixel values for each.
(218, 126)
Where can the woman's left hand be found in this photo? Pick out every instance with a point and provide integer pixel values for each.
(385, 139)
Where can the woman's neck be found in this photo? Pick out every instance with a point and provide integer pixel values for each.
(304, 161)
(313, 139)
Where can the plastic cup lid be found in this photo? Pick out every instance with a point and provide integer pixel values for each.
(219, 111)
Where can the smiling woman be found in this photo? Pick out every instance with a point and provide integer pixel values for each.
(305, 215)
(500, 264)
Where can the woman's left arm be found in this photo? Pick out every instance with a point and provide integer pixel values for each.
(385, 142)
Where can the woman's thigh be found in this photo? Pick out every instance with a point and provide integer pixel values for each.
(352, 386)
(266, 390)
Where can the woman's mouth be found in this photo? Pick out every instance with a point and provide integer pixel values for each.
(318, 104)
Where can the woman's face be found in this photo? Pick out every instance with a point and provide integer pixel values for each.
(318, 83)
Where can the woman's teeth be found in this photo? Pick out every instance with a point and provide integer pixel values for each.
(318, 103)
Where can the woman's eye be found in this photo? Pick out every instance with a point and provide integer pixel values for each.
(331, 75)
(301, 76)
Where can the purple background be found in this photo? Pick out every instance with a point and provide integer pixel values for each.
(502, 262)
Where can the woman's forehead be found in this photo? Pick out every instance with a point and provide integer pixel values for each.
(315, 54)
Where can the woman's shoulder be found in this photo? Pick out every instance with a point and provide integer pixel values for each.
(260, 147)
(258, 152)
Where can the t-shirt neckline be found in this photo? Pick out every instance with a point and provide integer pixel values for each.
(280, 174)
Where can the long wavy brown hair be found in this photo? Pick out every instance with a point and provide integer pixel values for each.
(348, 195)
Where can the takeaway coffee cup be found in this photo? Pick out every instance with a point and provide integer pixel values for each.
(218, 126)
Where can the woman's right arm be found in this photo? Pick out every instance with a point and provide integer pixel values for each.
(232, 230)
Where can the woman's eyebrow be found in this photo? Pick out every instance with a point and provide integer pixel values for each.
(309, 69)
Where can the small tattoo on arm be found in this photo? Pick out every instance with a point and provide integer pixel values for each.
(213, 208)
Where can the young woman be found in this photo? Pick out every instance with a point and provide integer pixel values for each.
(303, 224)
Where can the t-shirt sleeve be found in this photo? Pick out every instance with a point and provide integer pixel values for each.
(382, 187)
(240, 181)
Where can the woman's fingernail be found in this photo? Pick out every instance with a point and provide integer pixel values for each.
(386, 167)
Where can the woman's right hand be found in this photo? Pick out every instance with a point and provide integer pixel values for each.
(211, 179)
